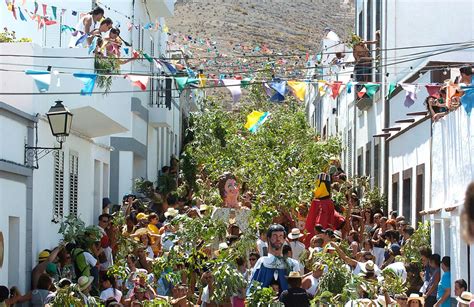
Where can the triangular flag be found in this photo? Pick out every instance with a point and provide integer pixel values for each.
(93, 45)
(349, 87)
(65, 27)
(335, 86)
(53, 8)
(81, 39)
(433, 90)
(322, 88)
(44, 9)
(255, 120)
(410, 97)
(298, 88)
(245, 82)
(89, 82)
(139, 81)
(22, 17)
(170, 67)
(279, 87)
(63, 11)
(391, 88)
(467, 100)
(202, 80)
(36, 8)
(371, 89)
(234, 87)
(126, 50)
(42, 79)
(49, 22)
(181, 82)
(147, 57)
(14, 12)
(362, 92)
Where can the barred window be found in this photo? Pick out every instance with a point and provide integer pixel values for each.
(58, 199)
(73, 183)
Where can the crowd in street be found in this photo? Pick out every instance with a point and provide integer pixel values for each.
(288, 256)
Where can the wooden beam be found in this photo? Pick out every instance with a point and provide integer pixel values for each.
(381, 135)
(391, 129)
(405, 121)
(419, 113)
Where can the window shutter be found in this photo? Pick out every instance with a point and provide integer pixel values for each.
(58, 199)
(73, 183)
(349, 153)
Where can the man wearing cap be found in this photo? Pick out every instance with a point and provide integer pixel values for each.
(44, 258)
(297, 248)
(274, 266)
(295, 295)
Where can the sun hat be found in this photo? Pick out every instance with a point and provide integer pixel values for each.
(84, 281)
(465, 297)
(295, 234)
(203, 207)
(381, 300)
(368, 267)
(416, 297)
(294, 275)
(171, 212)
(142, 216)
(43, 255)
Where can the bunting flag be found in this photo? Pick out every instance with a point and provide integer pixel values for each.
(89, 82)
(170, 67)
(147, 57)
(81, 39)
(181, 82)
(65, 28)
(433, 90)
(126, 51)
(280, 90)
(22, 17)
(49, 22)
(42, 79)
(349, 87)
(411, 90)
(371, 89)
(467, 100)
(202, 80)
(335, 86)
(245, 83)
(63, 11)
(36, 8)
(362, 92)
(139, 81)
(322, 88)
(298, 88)
(391, 88)
(53, 8)
(234, 87)
(267, 89)
(93, 45)
(44, 9)
(14, 11)
(255, 120)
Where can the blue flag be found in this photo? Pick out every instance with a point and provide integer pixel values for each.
(22, 17)
(89, 82)
(42, 79)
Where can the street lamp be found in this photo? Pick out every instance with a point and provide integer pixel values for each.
(60, 121)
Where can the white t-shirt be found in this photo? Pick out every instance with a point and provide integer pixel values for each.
(297, 248)
(91, 260)
(399, 269)
(109, 292)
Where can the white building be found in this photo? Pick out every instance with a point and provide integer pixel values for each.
(415, 161)
(115, 138)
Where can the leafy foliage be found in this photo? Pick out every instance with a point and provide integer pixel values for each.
(106, 65)
(421, 238)
(74, 230)
(10, 37)
(260, 296)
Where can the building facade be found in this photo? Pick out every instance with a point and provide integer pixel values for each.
(114, 139)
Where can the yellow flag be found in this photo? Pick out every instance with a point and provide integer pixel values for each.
(299, 88)
(166, 29)
(202, 80)
(322, 87)
(253, 118)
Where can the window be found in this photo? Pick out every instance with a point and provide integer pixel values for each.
(406, 196)
(367, 158)
(369, 20)
(58, 198)
(376, 164)
(378, 14)
(361, 24)
(420, 191)
(395, 191)
(73, 183)
(360, 162)
(349, 153)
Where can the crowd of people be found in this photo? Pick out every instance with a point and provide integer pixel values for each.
(288, 257)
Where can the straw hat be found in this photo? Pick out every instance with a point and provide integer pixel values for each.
(295, 234)
(203, 208)
(416, 297)
(142, 216)
(294, 275)
(84, 281)
(465, 297)
(43, 255)
(368, 267)
(171, 212)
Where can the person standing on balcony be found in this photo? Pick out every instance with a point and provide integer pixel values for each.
(363, 59)
(86, 25)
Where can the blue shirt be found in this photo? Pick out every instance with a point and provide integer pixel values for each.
(444, 283)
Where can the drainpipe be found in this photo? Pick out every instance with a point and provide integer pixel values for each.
(386, 101)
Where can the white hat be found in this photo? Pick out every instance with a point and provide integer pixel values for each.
(84, 281)
(171, 212)
(368, 267)
(295, 234)
(416, 297)
(465, 297)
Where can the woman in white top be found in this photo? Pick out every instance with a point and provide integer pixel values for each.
(110, 292)
(86, 25)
